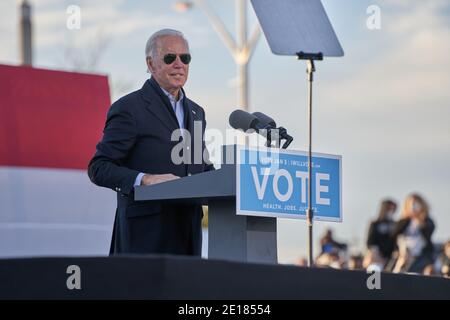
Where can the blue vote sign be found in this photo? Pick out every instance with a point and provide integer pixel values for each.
(274, 183)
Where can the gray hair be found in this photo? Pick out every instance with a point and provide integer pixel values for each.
(152, 42)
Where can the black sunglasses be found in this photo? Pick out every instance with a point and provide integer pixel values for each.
(171, 57)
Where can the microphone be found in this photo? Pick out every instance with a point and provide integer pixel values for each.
(240, 119)
(265, 119)
(277, 133)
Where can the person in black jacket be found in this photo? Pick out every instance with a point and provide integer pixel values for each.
(380, 231)
(137, 149)
(413, 236)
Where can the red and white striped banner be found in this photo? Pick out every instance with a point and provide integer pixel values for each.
(50, 122)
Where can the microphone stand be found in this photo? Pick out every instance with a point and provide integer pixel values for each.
(280, 133)
(284, 135)
(310, 68)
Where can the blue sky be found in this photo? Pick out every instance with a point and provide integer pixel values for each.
(385, 106)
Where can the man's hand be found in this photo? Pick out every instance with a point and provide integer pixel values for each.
(149, 179)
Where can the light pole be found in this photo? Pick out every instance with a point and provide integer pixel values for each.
(26, 34)
(241, 49)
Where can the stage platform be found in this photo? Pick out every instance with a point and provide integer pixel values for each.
(185, 278)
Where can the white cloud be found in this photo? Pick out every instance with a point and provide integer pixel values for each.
(413, 72)
(400, 100)
(111, 18)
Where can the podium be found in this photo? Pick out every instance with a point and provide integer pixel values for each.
(230, 236)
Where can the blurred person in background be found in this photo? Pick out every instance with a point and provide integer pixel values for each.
(355, 262)
(445, 271)
(329, 244)
(333, 254)
(412, 234)
(442, 264)
(380, 231)
(330, 260)
(429, 270)
(373, 260)
(301, 262)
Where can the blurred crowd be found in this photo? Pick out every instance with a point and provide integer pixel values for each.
(402, 245)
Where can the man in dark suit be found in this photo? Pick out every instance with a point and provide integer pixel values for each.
(137, 149)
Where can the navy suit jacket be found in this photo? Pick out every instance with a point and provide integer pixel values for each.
(137, 138)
